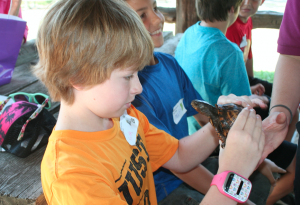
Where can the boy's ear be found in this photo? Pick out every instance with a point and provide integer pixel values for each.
(232, 10)
(77, 87)
(262, 1)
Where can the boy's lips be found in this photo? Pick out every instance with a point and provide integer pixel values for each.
(157, 32)
(245, 10)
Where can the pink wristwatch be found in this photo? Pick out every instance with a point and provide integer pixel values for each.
(233, 185)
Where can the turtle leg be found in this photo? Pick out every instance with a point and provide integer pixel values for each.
(222, 138)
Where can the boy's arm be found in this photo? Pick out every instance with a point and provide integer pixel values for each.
(249, 67)
(201, 119)
(199, 178)
(246, 50)
(193, 150)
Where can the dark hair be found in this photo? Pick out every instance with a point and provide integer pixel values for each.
(215, 10)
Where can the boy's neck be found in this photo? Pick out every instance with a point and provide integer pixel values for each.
(221, 25)
(244, 19)
(153, 60)
(78, 118)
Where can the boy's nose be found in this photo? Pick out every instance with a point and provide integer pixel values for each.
(137, 87)
(246, 2)
(156, 19)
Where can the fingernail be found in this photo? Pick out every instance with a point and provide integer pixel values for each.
(258, 116)
(251, 110)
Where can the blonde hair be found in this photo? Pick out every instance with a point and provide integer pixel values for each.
(80, 42)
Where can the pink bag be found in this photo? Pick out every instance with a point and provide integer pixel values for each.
(11, 35)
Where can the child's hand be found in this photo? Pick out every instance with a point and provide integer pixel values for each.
(263, 101)
(257, 89)
(267, 167)
(244, 101)
(244, 144)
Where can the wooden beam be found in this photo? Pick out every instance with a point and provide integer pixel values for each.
(185, 15)
(262, 19)
(267, 19)
(169, 14)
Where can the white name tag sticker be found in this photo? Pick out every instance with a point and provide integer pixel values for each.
(178, 111)
(244, 41)
(129, 126)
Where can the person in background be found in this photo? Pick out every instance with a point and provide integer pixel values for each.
(286, 96)
(240, 33)
(13, 7)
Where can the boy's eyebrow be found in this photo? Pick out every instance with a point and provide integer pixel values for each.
(144, 8)
(141, 9)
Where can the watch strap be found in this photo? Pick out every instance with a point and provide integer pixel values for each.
(220, 179)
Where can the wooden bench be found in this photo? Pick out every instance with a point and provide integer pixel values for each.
(20, 181)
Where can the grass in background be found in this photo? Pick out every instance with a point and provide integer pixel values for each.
(264, 75)
(36, 4)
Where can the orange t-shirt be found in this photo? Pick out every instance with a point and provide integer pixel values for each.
(102, 168)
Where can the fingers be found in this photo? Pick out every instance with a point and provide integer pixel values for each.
(241, 120)
(251, 122)
(243, 101)
(279, 170)
(258, 134)
(271, 178)
(257, 101)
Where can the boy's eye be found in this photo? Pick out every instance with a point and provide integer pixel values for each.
(143, 15)
(128, 77)
(155, 9)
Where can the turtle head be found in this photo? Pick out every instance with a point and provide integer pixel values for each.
(203, 107)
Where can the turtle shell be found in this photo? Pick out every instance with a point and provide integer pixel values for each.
(221, 116)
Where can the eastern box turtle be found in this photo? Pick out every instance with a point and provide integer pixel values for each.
(221, 117)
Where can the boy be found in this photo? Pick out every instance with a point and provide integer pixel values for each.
(216, 67)
(240, 33)
(102, 150)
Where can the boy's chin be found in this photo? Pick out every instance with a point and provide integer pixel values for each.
(244, 16)
(158, 43)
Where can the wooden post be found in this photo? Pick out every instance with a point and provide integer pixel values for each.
(186, 15)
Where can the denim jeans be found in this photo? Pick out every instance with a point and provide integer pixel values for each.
(183, 195)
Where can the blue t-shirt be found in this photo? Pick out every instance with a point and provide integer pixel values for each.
(213, 63)
(164, 85)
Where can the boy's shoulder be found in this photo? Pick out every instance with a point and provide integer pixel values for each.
(239, 27)
(164, 56)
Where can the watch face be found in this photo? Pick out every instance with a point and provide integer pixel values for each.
(237, 187)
